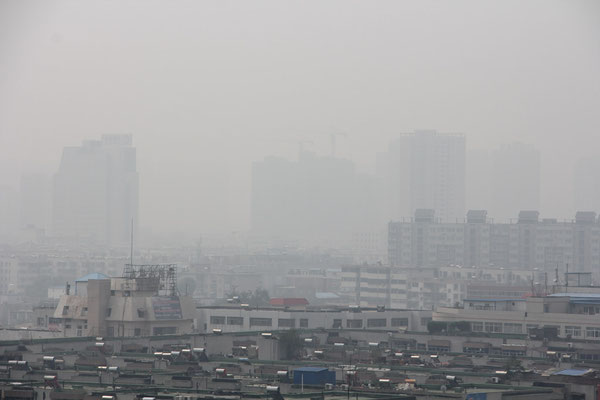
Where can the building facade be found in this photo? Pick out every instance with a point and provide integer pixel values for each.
(240, 318)
(95, 193)
(527, 244)
(122, 307)
(424, 169)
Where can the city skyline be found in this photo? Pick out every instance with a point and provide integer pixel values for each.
(228, 90)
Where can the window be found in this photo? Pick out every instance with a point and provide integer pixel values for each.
(589, 310)
(126, 293)
(493, 327)
(376, 322)
(65, 310)
(79, 330)
(574, 331)
(112, 292)
(286, 322)
(140, 313)
(546, 308)
(337, 323)
(399, 321)
(531, 326)
(354, 323)
(137, 332)
(303, 322)
(108, 312)
(67, 326)
(477, 326)
(84, 311)
(592, 332)
(165, 330)
(40, 321)
(261, 322)
(110, 331)
(216, 320)
(235, 320)
(513, 328)
(425, 321)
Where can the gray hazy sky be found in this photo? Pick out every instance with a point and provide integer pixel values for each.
(206, 87)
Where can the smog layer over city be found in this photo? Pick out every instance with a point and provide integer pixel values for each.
(220, 200)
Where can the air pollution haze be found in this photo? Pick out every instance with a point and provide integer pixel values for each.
(207, 89)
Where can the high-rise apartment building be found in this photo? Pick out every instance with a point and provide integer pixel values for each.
(316, 200)
(424, 169)
(586, 184)
(528, 243)
(504, 180)
(96, 191)
(514, 180)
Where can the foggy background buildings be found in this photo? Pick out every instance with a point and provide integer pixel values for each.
(207, 89)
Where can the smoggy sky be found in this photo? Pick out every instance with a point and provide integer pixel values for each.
(207, 87)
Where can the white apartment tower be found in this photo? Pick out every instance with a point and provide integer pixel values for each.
(96, 191)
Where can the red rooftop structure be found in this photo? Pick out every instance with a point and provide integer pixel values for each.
(288, 302)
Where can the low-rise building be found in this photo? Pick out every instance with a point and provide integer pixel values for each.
(139, 304)
(567, 315)
(241, 318)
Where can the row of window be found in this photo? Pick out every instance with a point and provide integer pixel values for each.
(498, 327)
(303, 322)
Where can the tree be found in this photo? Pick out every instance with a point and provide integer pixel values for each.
(290, 345)
(260, 297)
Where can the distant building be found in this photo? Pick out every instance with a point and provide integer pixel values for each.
(515, 180)
(424, 169)
(426, 287)
(527, 244)
(96, 191)
(240, 318)
(569, 314)
(316, 200)
(586, 184)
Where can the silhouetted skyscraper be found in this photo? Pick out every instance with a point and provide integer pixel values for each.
(586, 184)
(424, 170)
(316, 199)
(515, 180)
(96, 191)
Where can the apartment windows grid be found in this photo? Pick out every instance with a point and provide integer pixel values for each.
(261, 322)
(592, 332)
(513, 328)
(493, 327)
(573, 331)
(217, 320)
(376, 322)
(399, 322)
(235, 320)
(477, 326)
(354, 323)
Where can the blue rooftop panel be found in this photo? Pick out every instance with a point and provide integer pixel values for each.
(92, 277)
(310, 369)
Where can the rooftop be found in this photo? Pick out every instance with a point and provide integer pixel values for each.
(92, 276)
